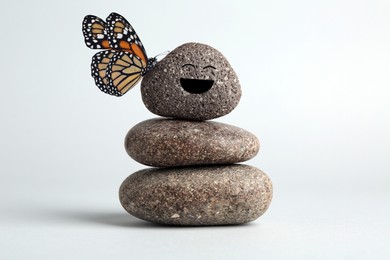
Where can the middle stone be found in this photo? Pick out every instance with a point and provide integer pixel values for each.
(171, 142)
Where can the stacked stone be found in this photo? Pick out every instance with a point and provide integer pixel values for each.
(195, 179)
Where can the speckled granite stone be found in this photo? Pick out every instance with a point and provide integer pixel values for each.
(169, 142)
(207, 195)
(194, 81)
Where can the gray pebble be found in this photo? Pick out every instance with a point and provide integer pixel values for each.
(170, 142)
(194, 81)
(207, 195)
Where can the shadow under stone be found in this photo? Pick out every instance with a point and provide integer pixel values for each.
(110, 218)
(117, 219)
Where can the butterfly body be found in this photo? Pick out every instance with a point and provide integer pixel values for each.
(151, 63)
(123, 61)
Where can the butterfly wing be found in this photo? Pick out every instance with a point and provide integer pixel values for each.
(124, 71)
(122, 65)
(122, 36)
(95, 32)
(99, 66)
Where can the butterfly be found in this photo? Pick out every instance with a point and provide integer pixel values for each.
(123, 60)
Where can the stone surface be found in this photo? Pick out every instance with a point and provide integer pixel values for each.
(170, 142)
(207, 195)
(194, 81)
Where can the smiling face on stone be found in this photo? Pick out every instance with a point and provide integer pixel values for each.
(194, 81)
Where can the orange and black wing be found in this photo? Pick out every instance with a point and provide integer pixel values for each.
(124, 71)
(122, 36)
(99, 66)
(124, 62)
(95, 33)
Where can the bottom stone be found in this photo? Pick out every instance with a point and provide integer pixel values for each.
(205, 195)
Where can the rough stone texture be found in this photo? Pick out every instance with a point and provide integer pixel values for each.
(207, 195)
(170, 142)
(164, 94)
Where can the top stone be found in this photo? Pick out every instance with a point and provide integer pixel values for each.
(194, 81)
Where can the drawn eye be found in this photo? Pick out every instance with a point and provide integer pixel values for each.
(188, 67)
(209, 66)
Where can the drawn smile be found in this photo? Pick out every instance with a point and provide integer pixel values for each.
(196, 86)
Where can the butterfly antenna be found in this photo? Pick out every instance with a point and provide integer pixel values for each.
(161, 54)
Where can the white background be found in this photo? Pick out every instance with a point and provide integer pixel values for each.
(315, 77)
